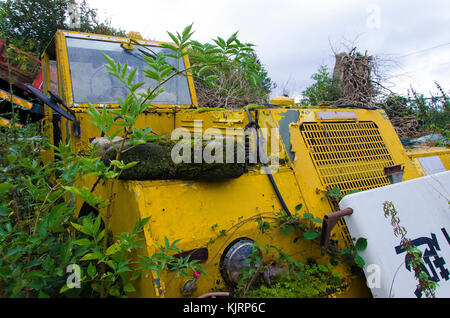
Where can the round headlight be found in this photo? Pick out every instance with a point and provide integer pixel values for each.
(233, 257)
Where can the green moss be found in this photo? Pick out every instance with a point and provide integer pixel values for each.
(311, 282)
(155, 163)
(253, 106)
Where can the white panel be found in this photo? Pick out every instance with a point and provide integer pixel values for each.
(423, 209)
(432, 165)
(336, 115)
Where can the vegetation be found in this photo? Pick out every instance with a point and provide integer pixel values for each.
(325, 89)
(40, 240)
(298, 280)
(432, 114)
(233, 88)
(30, 24)
(309, 281)
(413, 254)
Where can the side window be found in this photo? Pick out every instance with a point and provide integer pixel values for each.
(53, 77)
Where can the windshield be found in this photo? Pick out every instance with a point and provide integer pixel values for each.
(91, 81)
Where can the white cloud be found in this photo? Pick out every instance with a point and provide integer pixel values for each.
(293, 37)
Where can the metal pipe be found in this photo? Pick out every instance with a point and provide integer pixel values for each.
(329, 221)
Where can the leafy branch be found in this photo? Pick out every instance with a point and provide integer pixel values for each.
(413, 254)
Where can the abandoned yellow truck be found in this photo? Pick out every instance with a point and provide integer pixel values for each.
(312, 156)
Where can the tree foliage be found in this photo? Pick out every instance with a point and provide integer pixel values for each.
(411, 114)
(430, 113)
(325, 89)
(30, 24)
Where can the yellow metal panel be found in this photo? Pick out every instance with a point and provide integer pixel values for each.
(445, 158)
(200, 211)
(282, 100)
(64, 78)
(419, 152)
(16, 100)
(349, 154)
(6, 123)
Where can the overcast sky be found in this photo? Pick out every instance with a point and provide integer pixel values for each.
(293, 38)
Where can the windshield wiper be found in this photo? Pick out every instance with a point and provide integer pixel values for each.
(150, 53)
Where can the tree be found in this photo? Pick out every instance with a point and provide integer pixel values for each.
(325, 89)
(88, 22)
(30, 24)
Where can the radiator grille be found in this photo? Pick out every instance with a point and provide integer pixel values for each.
(349, 156)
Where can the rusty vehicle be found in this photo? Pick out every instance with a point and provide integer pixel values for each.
(17, 69)
(317, 149)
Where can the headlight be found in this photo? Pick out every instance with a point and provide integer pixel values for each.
(233, 257)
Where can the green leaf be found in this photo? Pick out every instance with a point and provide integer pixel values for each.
(66, 251)
(64, 289)
(91, 270)
(203, 69)
(174, 38)
(311, 235)
(77, 226)
(82, 242)
(97, 223)
(130, 165)
(4, 210)
(308, 215)
(124, 71)
(186, 31)
(346, 251)
(11, 157)
(298, 207)
(166, 242)
(152, 74)
(129, 288)
(136, 86)
(5, 187)
(35, 274)
(359, 261)
(361, 244)
(232, 38)
(113, 249)
(317, 220)
(131, 76)
(136, 274)
(91, 256)
(114, 291)
(43, 295)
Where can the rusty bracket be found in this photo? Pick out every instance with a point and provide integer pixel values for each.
(328, 223)
(394, 173)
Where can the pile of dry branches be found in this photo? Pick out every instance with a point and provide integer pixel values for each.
(358, 77)
(231, 91)
(406, 127)
(355, 73)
